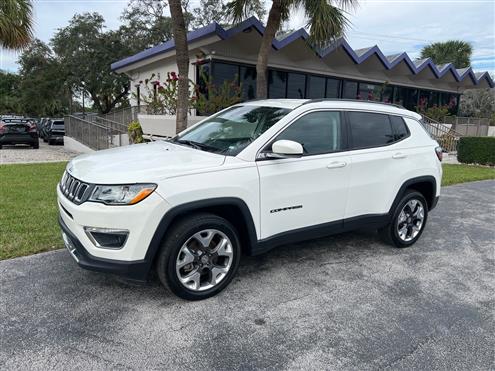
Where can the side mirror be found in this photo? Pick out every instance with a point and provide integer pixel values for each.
(285, 149)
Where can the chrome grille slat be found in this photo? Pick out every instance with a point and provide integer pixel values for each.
(72, 188)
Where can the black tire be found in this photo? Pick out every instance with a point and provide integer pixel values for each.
(0, 146)
(177, 235)
(50, 142)
(390, 233)
(36, 145)
(45, 140)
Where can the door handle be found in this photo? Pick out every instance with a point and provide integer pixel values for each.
(399, 156)
(336, 164)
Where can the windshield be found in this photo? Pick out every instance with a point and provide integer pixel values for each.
(232, 130)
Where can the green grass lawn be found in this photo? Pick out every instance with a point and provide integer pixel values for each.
(28, 209)
(28, 204)
(453, 174)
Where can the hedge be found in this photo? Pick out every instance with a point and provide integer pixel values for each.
(476, 150)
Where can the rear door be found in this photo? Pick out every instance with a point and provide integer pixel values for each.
(310, 190)
(380, 160)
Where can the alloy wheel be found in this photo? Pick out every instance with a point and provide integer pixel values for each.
(410, 220)
(204, 260)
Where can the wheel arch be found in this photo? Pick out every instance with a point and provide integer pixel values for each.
(233, 209)
(426, 185)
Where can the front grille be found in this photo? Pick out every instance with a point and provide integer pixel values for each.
(75, 190)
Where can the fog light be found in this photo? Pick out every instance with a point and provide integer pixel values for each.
(107, 238)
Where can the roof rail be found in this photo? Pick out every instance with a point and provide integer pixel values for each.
(351, 100)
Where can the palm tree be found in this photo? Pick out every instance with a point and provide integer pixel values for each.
(182, 58)
(457, 52)
(16, 23)
(325, 21)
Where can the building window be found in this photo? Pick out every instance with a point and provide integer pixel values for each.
(453, 104)
(388, 94)
(248, 83)
(225, 72)
(296, 85)
(333, 88)
(350, 90)
(370, 130)
(406, 97)
(277, 84)
(318, 132)
(316, 87)
(369, 91)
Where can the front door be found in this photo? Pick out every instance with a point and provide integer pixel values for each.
(309, 190)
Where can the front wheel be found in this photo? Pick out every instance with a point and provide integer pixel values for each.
(408, 220)
(199, 256)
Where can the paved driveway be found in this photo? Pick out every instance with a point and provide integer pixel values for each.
(345, 302)
(25, 154)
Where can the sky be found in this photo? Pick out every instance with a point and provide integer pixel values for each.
(394, 25)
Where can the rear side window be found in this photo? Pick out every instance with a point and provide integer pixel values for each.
(318, 132)
(399, 127)
(370, 129)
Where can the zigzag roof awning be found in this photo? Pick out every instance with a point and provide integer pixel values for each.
(358, 56)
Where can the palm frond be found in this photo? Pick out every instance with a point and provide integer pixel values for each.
(239, 10)
(16, 23)
(325, 21)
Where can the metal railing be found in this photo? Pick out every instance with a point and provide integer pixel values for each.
(446, 136)
(93, 133)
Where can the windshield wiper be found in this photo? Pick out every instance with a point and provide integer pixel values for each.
(197, 145)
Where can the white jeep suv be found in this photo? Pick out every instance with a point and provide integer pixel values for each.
(251, 177)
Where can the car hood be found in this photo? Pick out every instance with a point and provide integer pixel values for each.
(147, 162)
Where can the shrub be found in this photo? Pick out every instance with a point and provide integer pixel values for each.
(437, 113)
(476, 150)
(135, 133)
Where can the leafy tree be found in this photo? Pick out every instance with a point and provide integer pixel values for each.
(182, 58)
(85, 52)
(9, 93)
(42, 90)
(325, 22)
(145, 25)
(453, 51)
(210, 11)
(16, 23)
(478, 103)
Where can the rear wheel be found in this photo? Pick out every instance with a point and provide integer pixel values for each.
(408, 220)
(36, 145)
(199, 256)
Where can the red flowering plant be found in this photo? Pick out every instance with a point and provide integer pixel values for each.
(160, 97)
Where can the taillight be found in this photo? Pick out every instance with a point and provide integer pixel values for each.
(439, 153)
(2, 129)
(32, 128)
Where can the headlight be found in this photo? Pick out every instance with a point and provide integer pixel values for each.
(127, 194)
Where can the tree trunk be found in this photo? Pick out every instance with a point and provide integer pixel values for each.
(272, 26)
(182, 58)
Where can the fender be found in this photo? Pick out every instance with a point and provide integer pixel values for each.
(408, 183)
(169, 217)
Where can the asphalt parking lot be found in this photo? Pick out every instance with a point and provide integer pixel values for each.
(344, 302)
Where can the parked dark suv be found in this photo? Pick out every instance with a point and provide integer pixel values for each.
(18, 131)
(55, 131)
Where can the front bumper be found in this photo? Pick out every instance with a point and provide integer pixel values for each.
(135, 270)
(141, 220)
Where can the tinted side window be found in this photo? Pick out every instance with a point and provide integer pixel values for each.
(318, 132)
(399, 127)
(370, 129)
